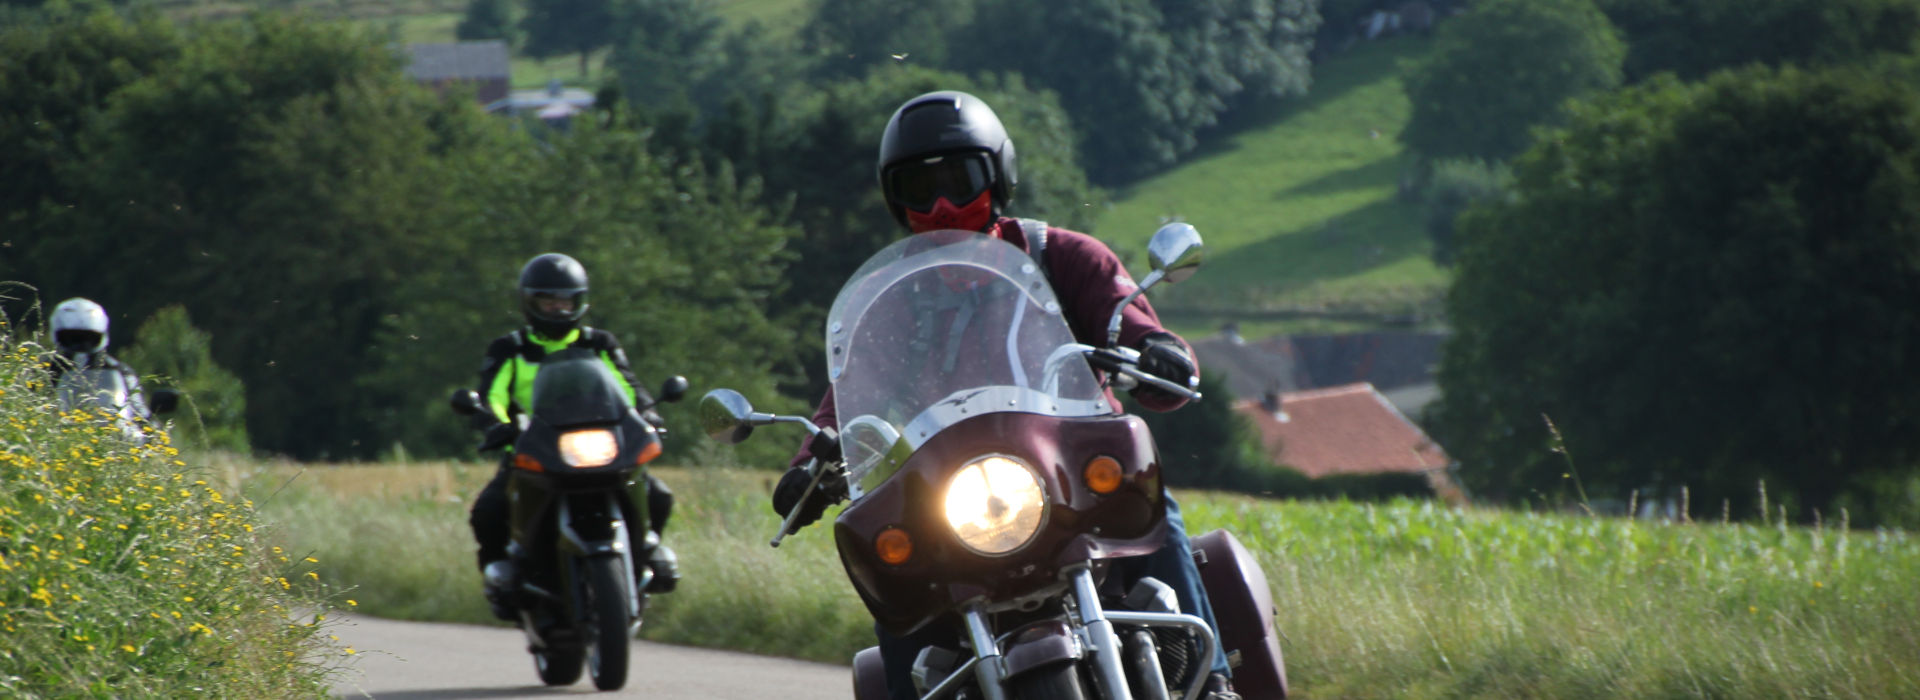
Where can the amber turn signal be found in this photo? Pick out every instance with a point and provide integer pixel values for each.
(522, 460)
(647, 453)
(893, 545)
(1103, 474)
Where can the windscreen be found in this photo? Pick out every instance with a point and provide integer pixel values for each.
(576, 387)
(940, 327)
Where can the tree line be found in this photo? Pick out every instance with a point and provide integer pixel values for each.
(1688, 254)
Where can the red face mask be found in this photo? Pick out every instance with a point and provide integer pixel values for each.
(973, 216)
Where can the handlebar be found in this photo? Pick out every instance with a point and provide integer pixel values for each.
(818, 470)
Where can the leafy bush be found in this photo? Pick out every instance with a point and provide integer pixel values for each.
(213, 402)
(125, 573)
(1504, 67)
(1454, 185)
(1689, 305)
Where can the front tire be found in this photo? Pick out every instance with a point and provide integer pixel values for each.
(607, 657)
(557, 667)
(1057, 682)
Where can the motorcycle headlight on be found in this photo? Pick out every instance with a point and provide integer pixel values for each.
(995, 504)
(588, 448)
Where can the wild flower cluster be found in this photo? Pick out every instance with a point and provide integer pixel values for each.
(124, 572)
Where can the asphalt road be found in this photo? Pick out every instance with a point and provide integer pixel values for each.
(432, 661)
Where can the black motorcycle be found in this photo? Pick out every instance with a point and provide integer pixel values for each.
(577, 481)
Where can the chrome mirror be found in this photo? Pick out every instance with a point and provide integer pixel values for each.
(725, 415)
(1176, 251)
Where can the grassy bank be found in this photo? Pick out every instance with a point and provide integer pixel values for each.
(1298, 203)
(1403, 600)
(125, 573)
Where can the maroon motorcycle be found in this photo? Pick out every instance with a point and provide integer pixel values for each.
(992, 486)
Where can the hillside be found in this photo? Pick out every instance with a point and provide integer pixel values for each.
(1298, 207)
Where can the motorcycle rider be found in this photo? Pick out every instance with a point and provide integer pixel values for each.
(946, 162)
(553, 298)
(80, 334)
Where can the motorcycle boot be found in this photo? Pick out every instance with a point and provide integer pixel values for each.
(665, 566)
(501, 579)
(1219, 688)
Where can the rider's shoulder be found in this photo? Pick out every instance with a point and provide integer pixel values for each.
(505, 345)
(598, 338)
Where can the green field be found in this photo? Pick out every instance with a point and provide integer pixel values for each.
(1410, 599)
(1298, 206)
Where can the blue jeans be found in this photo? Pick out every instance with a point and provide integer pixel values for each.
(1172, 564)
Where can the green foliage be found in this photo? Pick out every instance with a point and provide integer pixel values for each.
(1695, 37)
(1689, 305)
(1141, 77)
(556, 27)
(267, 132)
(847, 38)
(1207, 444)
(488, 19)
(682, 264)
(1504, 67)
(1302, 208)
(55, 79)
(123, 573)
(213, 404)
(1446, 602)
(670, 55)
(1453, 186)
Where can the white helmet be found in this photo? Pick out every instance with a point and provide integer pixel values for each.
(79, 325)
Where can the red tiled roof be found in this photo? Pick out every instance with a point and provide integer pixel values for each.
(1349, 429)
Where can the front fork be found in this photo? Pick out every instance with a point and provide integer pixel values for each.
(1093, 627)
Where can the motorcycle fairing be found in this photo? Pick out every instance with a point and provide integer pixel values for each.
(1080, 525)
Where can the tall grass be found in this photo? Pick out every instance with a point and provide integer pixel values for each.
(399, 534)
(125, 573)
(1408, 599)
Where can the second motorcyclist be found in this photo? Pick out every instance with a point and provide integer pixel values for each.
(553, 299)
(946, 162)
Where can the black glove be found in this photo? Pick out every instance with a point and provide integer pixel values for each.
(500, 435)
(793, 485)
(1161, 355)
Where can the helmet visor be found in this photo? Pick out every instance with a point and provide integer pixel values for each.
(557, 305)
(959, 177)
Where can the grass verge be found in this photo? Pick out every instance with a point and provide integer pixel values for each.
(124, 573)
(1401, 600)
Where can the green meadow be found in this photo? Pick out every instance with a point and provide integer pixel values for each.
(1408, 599)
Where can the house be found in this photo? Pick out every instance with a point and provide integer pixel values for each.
(1399, 364)
(1347, 429)
(483, 64)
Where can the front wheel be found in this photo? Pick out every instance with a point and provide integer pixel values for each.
(557, 667)
(1057, 682)
(607, 657)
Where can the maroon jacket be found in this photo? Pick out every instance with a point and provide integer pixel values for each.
(1089, 281)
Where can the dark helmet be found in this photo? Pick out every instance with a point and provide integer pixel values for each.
(553, 294)
(945, 144)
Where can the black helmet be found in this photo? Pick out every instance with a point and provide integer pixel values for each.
(553, 294)
(918, 162)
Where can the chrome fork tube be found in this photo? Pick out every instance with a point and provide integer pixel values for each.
(987, 668)
(1107, 671)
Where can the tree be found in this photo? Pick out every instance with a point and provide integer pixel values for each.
(849, 37)
(1503, 68)
(487, 19)
(1702, 286)
(1141, 77)
(555, 27)
(213, 407)
(1695, 37)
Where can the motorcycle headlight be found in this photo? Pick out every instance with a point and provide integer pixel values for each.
(588, 448)
(995, 504)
